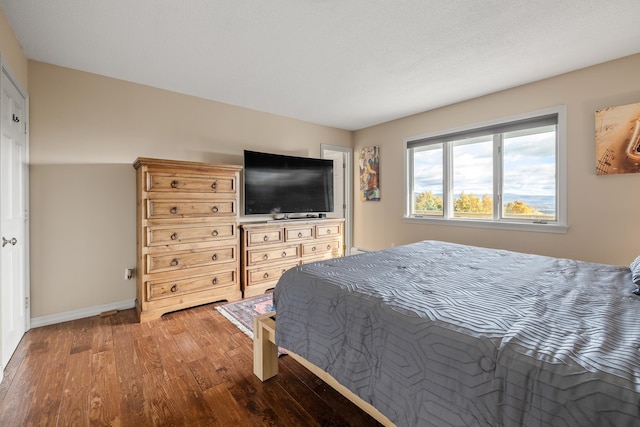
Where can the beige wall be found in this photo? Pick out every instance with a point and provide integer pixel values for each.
(602, 210)
(11, 51)
(86, 132)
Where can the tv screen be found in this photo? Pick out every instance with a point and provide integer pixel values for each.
(277, 184)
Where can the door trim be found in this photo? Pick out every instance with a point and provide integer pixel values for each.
(348, 191)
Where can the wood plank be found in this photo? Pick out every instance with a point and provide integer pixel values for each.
(204, 373)
(104, 402)
(102, 336)
(173, 364)
(132, 401)
(127, 362)
(322, 392)
(148, 353)
(17, 402)
(326, 411)
(72, 410)
(189, 399)
(74, 402)
(191, 367)
(227, 407)
(188, 346)
(82, 334)
(264, 397)
(45, 401)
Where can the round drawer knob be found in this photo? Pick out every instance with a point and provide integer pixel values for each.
(328, 247)
(215, 281)
(214, 257)
(284, 254)
(265, 238)
(214, 233)
(266, 275)
(174, 236)
(174, 210)
(265, 257)
(313, 249)
(299, 234)
(214, 185)
(214, 209)
(328, 231)
(174, 262)
(174, 184)
(174, 288)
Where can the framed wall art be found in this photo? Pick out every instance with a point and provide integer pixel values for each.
(618, 139)
(369, 160)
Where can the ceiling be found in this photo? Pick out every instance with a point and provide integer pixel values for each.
(349, 64)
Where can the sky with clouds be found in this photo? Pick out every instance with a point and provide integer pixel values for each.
(529, 166)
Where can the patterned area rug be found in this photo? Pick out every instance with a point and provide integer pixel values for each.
(241, 313)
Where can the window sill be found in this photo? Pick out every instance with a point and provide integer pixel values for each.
(503, 225)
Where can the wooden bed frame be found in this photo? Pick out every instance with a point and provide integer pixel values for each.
(265, 363)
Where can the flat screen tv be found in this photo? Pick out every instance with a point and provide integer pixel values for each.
(275, 184)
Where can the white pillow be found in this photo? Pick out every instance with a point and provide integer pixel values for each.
(635, 271)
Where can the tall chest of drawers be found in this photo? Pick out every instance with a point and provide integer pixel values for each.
(187, 235)
(270, 249)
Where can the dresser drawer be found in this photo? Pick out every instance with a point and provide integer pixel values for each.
(159, 290)
(321, 248)
(163, 209)
(299, 233)
(327, 230)
(188, 259)
(157, 236)
(187, 183)
(261, 237)
(257, 256)
(267, 274)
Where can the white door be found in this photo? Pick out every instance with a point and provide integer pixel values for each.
(342, 185)
(13, 225)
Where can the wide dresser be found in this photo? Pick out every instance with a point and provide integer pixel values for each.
(187, 235)
(271, 248)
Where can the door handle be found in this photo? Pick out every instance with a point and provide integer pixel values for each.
(13, 241)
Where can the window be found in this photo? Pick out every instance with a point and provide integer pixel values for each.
(504, 174)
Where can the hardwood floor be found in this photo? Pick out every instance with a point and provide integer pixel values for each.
(189, 368)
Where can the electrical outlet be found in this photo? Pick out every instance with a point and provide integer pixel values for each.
(128, 273)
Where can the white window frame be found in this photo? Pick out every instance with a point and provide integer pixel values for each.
(558, 226)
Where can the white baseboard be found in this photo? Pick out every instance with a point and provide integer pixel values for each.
(81, 313)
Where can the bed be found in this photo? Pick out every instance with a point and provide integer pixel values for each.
(439, 334)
